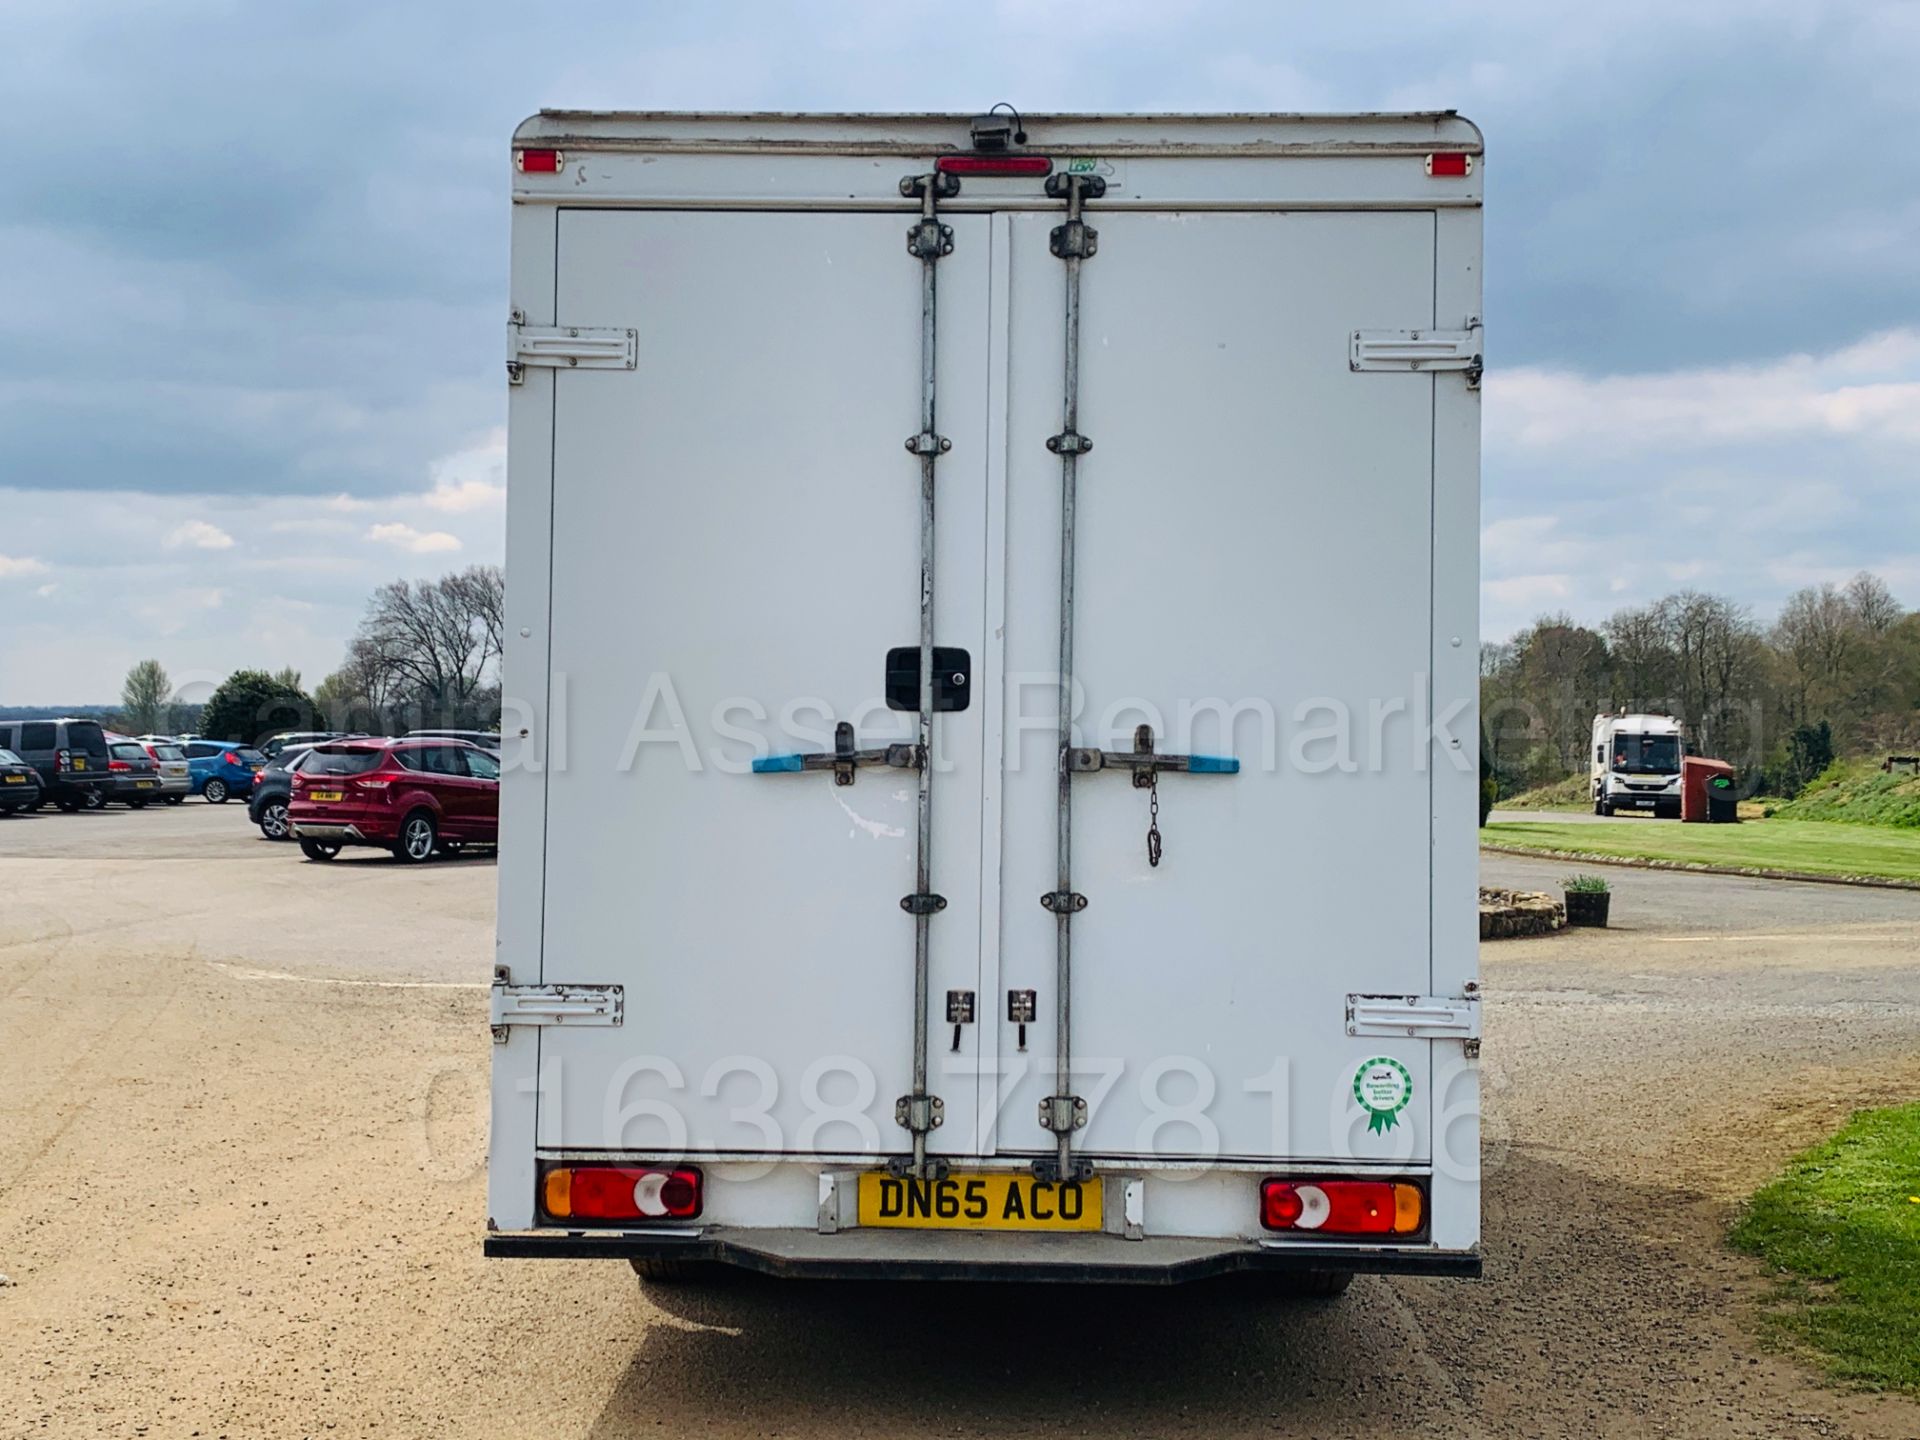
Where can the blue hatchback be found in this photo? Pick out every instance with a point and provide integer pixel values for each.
(220, 769)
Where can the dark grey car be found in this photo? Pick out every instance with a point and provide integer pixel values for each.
(70, 757)
(20, 787)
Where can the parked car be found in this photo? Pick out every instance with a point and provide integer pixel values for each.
(70, 757)
(274, 744)
(135, 775)
(485, 739)
(176, 778)
(415, 797)
(220, 769)
(20, 787)
(267, 806)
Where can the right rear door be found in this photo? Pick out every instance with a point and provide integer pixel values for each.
(1254, 565)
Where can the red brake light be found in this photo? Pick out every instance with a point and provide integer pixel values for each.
(621, 1192)
(229, 758)
(994, 165)
(537, 162)
(118, 765)
(1450, 163)
(1343, 1207)
(62, 759)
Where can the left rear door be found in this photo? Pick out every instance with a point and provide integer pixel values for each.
(735, 549)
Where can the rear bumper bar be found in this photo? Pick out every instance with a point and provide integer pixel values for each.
(863, 1254)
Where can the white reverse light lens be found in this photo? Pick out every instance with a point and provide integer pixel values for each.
(1314, 1207)
(646, 1196)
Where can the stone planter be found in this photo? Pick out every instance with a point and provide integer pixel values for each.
(1588, 907)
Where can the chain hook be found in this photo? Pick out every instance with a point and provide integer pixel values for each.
(1153, 817)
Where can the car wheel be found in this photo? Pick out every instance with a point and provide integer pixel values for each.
(136, 804)
(1605, 807)
(319, 849)
(96, 800)
(175, 799)
(34, 804)
(216, 792)
(67, 804)
(418, 836)
(273, 821)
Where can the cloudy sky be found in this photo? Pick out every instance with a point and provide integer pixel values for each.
(254, 276)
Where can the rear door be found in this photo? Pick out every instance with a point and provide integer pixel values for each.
(735, 549)
(1253, 580)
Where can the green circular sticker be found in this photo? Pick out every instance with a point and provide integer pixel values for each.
(1383, 1086)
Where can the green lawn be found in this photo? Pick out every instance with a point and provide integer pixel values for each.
(1842, 1226)
(1813, 846)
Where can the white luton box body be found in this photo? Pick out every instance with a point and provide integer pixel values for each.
(779, 379)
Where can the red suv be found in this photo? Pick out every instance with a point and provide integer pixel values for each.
(413, 797)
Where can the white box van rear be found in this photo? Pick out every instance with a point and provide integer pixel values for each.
(836, 441)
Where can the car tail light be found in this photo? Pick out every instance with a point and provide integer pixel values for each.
(63, 760)
(537, 162)
(621, 1192)
(1343, 1207)
(227, 757)
(994, 165)
(119, 765)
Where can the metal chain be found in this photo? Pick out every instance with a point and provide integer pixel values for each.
(1153, 817)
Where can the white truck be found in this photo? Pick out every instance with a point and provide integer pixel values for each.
(991, 648)
(1636, 764)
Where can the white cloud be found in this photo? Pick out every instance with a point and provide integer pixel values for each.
(201, 534)
(1868, 391)
(416, 542)
(472, 479)
(12, 567)
(45, 591)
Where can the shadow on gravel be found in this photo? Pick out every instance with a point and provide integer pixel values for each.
(770, 1357)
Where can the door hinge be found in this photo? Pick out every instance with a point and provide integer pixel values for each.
(568, 347)
(1430, 1017)
(1420, 350)
(512, 1004)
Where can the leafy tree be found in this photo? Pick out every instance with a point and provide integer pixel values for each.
(251, 703)
(144, 696)
(1809, 753)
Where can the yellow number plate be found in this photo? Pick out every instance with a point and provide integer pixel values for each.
(326, 795)
(16, 779)
(79, 762)
(979, 1202)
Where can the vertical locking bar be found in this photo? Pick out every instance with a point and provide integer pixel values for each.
(1072, 242)
(928, 241)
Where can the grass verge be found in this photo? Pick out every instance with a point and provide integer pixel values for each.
(1859, 792)
(1842, 1228)
(1573, 793)
(1810, 846)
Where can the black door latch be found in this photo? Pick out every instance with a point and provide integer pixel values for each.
(952, 678)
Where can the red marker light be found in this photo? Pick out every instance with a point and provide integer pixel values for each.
(994, 165)
(1451, 163)
(537, 162)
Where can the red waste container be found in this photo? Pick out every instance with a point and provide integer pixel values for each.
(1697, 774)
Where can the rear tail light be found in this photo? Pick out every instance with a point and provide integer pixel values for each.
(994, 165)
(621, 1192)
(375, 782)
(1343, 1207)
(537, 162)
(227, 757)
(1451, 164)
(119, 765)
(63, 760)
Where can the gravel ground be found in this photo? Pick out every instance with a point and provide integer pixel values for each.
(242, 1127)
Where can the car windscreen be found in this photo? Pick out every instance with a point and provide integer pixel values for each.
(169, 752)
(87, 736)
(1647, 754)
(127, 750)
(341, 762)
(7, 757)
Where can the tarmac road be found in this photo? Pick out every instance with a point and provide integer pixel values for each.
(242, 1115)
